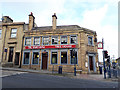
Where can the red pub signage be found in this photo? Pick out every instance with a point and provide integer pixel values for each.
(50, 46)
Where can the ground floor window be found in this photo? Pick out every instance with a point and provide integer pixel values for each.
(35, 58)
(64, 57)
(54, 57)
(73, 56)
(26, 57)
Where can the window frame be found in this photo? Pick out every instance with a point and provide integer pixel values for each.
(67, 57)
(51, 57)
(51, 40)
(34, 40)
(43, 40)
(25, 41)
(13, 33)
(24, 56)
(71, 55)
(61, 39)
(92, 41)
(76, 39)
(38, 57)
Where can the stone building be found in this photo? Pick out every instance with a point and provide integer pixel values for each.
(68, 46)
(11, 38)
(0, 41)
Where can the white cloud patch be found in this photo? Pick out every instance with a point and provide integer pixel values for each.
(93, 19)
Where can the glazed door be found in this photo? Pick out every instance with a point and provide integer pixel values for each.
(17, 58)
(44, 60)
(91, 62)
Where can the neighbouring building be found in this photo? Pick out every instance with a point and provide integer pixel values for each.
(12, 38)
(49, 47)
(0, 41)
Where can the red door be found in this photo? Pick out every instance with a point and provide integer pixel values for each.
(91, 62)
(44, 60)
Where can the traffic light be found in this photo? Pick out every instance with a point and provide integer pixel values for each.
(108, 60)
(106, 54)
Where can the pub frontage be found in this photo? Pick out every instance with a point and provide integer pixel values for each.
(49, 47)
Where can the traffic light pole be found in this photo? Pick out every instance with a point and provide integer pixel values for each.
(104, 60)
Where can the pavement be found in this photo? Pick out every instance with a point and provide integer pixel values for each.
(70, 75)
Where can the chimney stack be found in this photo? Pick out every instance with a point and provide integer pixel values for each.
(31, 21)
(54, 21)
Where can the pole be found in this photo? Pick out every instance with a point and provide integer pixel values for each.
(104, 60)
(109, 68)
(74, 64)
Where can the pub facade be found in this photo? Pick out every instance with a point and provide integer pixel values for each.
(69, 46)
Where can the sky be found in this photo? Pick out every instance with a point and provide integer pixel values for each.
(97, 15)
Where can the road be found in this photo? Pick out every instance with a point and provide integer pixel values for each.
(35, 80)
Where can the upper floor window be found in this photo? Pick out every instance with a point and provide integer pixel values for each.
(27, 41)
(45, 40)
(36, 40)
(13, 33)
(73, 39)
(63, 39)
(0, 33)
(90, 40)
(54, 40)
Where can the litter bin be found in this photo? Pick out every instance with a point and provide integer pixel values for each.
(100, 68)
(60, 70)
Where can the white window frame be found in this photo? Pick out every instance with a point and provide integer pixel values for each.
(70, 39)
(52, 38)
(13, 33)
(25, 41)
(43, 39)
(92, 41)
(61, 40)
(34, 41)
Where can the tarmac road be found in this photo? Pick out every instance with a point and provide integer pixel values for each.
(35, 80)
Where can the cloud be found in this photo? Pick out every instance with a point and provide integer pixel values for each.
(93, 18)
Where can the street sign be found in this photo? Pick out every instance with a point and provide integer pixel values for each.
(100, 45)
(5, 49)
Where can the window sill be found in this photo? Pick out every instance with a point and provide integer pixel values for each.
(13, 38)
(91, 45)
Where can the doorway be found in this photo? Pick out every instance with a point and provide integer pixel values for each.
(44, 60)
(91, 62)
(10, 54)
(17, 54)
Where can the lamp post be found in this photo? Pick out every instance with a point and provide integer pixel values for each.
(104, 60)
